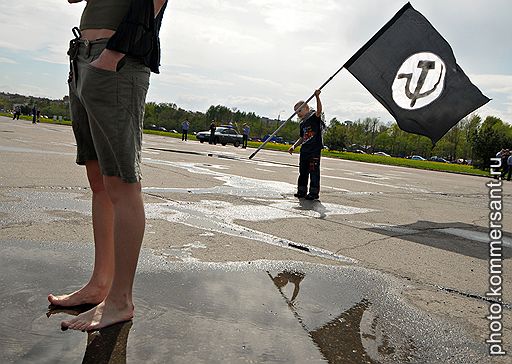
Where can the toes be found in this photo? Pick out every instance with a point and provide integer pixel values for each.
(77, 325)
(64, 325)
(55, 300)
(70, 324)
(51, 298)
(81, 326)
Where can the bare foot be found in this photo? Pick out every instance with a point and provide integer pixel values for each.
(103, 315)
(72, 310)
(86, 295)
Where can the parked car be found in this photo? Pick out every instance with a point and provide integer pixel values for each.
(275, 139)
(438, 159)
(222, 135)
(356, 148)
(417, 158)
(382, 154)
(155, 127)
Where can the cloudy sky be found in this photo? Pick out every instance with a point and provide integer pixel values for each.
(263, 55)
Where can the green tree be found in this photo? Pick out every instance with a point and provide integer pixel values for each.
(335, 137)
(492, 136)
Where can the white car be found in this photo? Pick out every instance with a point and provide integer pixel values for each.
(417, 158)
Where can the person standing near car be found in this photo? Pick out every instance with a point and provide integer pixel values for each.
(212, 133)
(311, 126)
(245, 132)
(184, 130)
(111, 57)
(509, 167)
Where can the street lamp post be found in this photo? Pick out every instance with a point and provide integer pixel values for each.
(279, 115)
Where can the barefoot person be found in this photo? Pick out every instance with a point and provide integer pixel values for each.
(111, 58)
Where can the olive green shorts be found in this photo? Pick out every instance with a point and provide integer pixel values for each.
(107, 109)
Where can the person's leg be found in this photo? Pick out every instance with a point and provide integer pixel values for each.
(504, 168)
(118, 96)
(509, 173)
(314, 173)
(129, 224)
(186, 135)
(98, 286)
(302, 182)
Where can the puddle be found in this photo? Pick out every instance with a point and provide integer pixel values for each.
(233, 185)
(263, 311)
(27, 206)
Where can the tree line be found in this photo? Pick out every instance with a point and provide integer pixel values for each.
(472, 139)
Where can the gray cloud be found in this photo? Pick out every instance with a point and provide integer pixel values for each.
(263, 55)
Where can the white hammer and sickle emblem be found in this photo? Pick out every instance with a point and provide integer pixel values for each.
(419, 81)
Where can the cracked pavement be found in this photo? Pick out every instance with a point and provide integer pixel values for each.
(212, 204)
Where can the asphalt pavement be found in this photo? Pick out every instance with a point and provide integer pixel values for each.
(394, 261)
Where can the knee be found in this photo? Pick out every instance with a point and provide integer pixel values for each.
(118, 190)
(96, 184)
(95, 178)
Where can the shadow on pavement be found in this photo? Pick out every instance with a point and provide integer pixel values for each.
(460, 238)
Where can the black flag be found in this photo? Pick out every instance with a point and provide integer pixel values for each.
(410, 68)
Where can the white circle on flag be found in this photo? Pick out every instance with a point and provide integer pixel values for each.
(419, 81)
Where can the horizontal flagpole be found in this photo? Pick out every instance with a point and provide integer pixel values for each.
(294, 113)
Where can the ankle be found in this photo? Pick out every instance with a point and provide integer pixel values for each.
(119, 303)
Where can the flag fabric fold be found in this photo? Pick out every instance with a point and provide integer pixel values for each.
(412, 71)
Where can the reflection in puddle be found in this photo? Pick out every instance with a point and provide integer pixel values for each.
(347, 338)
(108, 345)
(260, 311)
(104, 346)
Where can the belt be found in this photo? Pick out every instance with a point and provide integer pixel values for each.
(87, 42)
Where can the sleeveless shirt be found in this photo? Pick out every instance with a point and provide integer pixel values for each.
(104, 14)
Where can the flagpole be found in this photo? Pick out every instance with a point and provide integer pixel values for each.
(294, 113)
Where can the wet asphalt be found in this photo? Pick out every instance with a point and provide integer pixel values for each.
(261, 311)
(388, 267)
